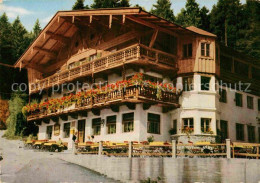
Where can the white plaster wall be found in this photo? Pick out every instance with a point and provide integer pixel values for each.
(234, 114)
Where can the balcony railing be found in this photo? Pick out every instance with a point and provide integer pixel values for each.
(135, 94)
(126, 55)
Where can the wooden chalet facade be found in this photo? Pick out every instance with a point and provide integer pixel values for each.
(112, 45)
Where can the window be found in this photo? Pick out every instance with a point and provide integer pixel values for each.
(96, 126)
(187, 124)
(223, 130)
(258, 104)
(251, 133)
(66, 130)
(153, 123)
(205, 125)
(49, 132)
(205, 83)
(205, 48)
(187, 50)
(250, 102)
(128, 122)
(187, 83)
(111, 124)
(239, 101)
(223, 95)
(239, 131)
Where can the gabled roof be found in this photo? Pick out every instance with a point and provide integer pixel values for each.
(62, 26)
(200, 31)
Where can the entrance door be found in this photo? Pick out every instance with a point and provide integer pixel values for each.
(49, 132)
(81, 130)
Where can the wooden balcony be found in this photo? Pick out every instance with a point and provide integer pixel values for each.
(132, 94)
(137, 53)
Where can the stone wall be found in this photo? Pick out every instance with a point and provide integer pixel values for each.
(169, 169)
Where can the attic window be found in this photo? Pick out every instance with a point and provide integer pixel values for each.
(76, 44)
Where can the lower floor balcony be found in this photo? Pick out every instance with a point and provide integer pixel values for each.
(94, 101)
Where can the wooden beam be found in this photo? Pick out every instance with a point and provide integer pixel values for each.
(130, 11)
(123, 19)
(110, 21)
(45, 52)
(57, 37)
(148, 24)
(90, 19)
(155, 33)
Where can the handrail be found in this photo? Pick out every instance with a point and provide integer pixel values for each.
(138, 92)
(101, 63)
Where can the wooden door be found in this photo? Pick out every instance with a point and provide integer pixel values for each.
(81, 130)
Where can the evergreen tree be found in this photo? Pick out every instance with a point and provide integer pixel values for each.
(190, 15)
(79, 5)
(249, 37)
(6, 40)
(110, 4)
(205, 19)
(162, 8)
(226, 21)
(18, 37)
(36, 29)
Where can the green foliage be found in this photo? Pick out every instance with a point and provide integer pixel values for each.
(162, 8)
(150, 138)
(36, 29)
(79, 5)
(249, 37)
(110, 4)
(192, 15)
(16, 121)
(13, 41)
(226, 19)
(149, 180)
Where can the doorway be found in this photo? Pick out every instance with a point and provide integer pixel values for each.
(81, 130)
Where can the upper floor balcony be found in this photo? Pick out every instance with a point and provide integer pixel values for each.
(94, 100)
(135, 54)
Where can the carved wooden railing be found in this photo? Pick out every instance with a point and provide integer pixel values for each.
(123, 95)
(125, 55)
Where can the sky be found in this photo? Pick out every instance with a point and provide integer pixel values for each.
(31, 10)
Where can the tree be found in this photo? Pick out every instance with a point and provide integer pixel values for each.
(205, 19)
(18, 38)
(190, 15)
(249, 36)
(79, 5)
(226, 21)
(6, 40)
(162, 8)
(36, 28)
(16, 103)
(110, 4)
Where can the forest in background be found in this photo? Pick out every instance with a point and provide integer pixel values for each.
(236, 25)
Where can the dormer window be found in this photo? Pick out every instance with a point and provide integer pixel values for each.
(205, 49)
